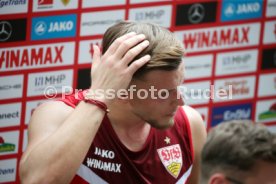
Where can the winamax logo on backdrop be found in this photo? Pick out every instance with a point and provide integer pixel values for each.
(239, 10)
(105, 19)
(62, 26)
(198, 66)
(86, 50)
(49, 83)
(233, 112)
(269, 59)
(11, 86)
(13, 6)
(9, 142)
(52, 5)
(7, 170)
(237, 62)
(267, 85)
(265, 111)
(160, 15)
(13, 30)
(195, 13)
(37, 56)
(10, 115)
(214, 38)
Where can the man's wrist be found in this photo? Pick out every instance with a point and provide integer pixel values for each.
(97, 100)
(93, 94)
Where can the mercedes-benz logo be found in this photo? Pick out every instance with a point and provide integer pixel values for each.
(5, 31)
(196, 13)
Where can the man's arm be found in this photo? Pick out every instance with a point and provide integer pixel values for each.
(198, 138)
(59, 136)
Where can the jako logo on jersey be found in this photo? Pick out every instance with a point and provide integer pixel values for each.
(54, 27)
(171, 157)
(240, 10)
(104, 153)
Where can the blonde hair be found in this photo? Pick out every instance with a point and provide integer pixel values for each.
(165, 50)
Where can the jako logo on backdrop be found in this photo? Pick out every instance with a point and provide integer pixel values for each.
(54, 27)
(239, 10)
(234, 112)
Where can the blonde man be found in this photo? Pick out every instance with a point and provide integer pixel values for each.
(94, 137)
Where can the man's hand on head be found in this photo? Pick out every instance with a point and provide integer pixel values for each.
(114, 69)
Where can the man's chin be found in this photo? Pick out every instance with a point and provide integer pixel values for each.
(163, 124)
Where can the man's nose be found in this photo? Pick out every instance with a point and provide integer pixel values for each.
(177, 98)
(180, 99)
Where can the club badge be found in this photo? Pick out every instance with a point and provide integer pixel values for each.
(171, 157)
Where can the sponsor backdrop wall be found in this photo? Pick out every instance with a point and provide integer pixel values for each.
(47, 44)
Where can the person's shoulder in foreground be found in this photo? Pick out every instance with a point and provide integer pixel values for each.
(198, 131)
(239, 152)
(62, 134)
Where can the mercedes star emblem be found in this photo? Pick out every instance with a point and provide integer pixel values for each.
(5, 31)
(196, 13)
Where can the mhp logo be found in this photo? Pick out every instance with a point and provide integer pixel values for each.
(54, 27)
(234, 112)
(240, 10)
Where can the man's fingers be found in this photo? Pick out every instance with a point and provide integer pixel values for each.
(96, 56)
(135, 65)
(132, 53)
(114, 46)
(126, 45)
(96, 53)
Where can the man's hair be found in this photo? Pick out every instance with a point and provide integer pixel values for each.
(235, 146)
(165, 50)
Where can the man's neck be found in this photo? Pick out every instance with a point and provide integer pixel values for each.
(131, 129)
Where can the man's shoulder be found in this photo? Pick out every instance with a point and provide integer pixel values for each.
(195, 120)
(193, 116)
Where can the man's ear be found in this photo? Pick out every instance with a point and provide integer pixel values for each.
(217, 178)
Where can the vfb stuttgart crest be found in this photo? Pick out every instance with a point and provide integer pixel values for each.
(171, 158)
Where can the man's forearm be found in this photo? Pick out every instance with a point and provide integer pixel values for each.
(57, 158)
